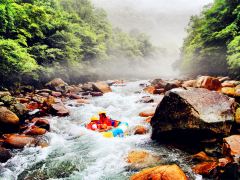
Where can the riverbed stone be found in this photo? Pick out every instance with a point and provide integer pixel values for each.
(231, 146)
(18, 141)
(8, 117)
(192, 114)
(4, 155)
(205, 168)
(164, 172)
(102, 87)
(140, 130)
(147, 113)
(208, 82)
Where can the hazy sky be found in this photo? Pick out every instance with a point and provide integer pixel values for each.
(164, 20)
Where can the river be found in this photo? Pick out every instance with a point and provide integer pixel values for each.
(75, 153)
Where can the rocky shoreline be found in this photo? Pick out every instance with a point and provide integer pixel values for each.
(200, 116)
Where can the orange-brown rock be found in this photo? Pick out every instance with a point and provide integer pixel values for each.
(158, 91)
(150, 89)
(8, 117)
(33, 105)
(57, 82)
(208, 82)
(148, 120)
(237, 116)
(82, 101)
(147, 113)
(222, 162)
(140, 130)
(165, 172)
(230, 83)
(34, 130)
(102, 87)
(23, 100)
(42, 123)
(56, 94)
(231, 146)
(18, 141)
(140, 159)
(60, 110)
(205, 168)
(189, 83)
(230, 91)
(202, 156)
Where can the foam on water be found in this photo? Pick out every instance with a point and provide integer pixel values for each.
(77, 153)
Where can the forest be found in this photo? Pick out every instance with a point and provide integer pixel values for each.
(43, 39)
(212, 45)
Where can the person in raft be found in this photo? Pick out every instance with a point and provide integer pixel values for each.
(94, 124)
(105, 122)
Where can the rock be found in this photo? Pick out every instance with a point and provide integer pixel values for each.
(82, 101)
(222, 162)
(205, 168)
(42, 123)
(56, 94)
(208, 82)
(20, 109)
(189, 83)
(164, 172)
(158, 83)
(158, 91)
(202, 156)
(8, 117)
(23, 100)
(43, 91)
(146, 113)
(141, 159)
(172, 84)
(42, 141)
(4, 155)
(74, 96)
(57, 84)
(222, 79)
(231, 146)
(230, 83)
(140, 130)
(146, 99)
(74, 89)
(192, 114)
(44, 94)
(87, 87)
(96, 94)
(34, 130)
(148, 120)
(18, 141)
(60, 110)
(149, 89)
(237, 116)
(5, 93)
(102, 87)
(230, 91)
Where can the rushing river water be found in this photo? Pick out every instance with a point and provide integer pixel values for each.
(77, 153)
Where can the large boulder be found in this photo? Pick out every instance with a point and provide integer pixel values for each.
(8, 117)
(231, 147)
(192, 114)
(18, 141)
(57, 84)
(165, 172)
(102, 87)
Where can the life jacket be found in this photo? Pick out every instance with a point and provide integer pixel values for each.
(106, 121)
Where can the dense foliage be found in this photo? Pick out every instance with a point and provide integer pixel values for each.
(40, 39)
(213, 42)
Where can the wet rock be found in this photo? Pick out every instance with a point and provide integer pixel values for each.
(141, 159)
(44, 94)
(42, 123)
(74, 96)
(231, 147)
(208, 82)
(43, 91)
(222, 79)
(4, 155)
(139, 130)
(202, 156)
(222, 162)
(82, 101)
(165, 172)
(147, 113)
(18, 141)
(20, 109)
(23, 100)
(102, 87)
(5, 93)
(192, 114)
(8, 117)
(149, 89)
(146, 99)
(34, 130)
(172, 84)
(42, 141)
(59, 109)
(87, 87)
(206, 168)
(158, 91)
(74, 89)
(96, 94)
(148, 120)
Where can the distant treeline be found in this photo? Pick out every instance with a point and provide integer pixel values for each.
(41, 39)
(212, 45)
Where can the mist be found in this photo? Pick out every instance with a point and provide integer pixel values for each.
(163, 21)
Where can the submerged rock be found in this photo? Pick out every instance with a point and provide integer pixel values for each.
(4, 155)
(139, 130)
(165, 172)
(141, 159)
(192, 114)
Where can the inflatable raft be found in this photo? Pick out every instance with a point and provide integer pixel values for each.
(119, 131)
